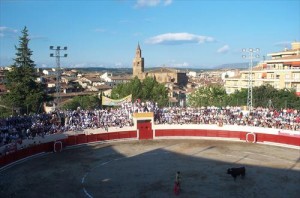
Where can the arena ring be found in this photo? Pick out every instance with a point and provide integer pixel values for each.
(95, 164)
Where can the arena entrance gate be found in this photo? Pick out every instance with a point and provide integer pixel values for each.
(143, 123)
(145, 129)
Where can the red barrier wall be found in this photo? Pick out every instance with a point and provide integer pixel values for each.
(23, 153)
(82, 138)
(92, 138)
(259, 137)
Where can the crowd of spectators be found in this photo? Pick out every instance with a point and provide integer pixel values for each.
(288, 119)
(17, 128)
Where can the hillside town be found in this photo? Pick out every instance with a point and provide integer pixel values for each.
(281, 70)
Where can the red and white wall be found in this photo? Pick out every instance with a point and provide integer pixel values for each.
(147, 130)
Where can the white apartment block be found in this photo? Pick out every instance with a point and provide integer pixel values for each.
(281, 71)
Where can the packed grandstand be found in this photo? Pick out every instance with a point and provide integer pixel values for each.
(14, 129)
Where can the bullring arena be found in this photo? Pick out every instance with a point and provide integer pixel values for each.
(141, 161)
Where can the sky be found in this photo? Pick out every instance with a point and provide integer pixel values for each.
(171, 33)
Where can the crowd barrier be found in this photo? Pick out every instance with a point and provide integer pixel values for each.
(252, 137)
(57, 146)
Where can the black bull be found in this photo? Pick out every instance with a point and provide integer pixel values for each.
(234, 172)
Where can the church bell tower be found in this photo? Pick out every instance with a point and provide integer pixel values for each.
(138, 63)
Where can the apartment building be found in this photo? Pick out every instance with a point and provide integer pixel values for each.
(281, 71)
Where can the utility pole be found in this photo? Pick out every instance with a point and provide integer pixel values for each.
(58, 72)
(252, 53)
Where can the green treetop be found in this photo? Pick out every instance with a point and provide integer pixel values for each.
(24, 93)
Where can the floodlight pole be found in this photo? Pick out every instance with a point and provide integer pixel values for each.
(250, 56)
(58, 72)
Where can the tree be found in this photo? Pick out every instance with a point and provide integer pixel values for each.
(24, 92)
(84, 102)
(136, 88)
(213, 95)
(238, 98)
(148, 90)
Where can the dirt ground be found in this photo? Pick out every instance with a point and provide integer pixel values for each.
(145, 169)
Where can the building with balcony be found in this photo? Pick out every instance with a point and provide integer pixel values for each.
(281, 71)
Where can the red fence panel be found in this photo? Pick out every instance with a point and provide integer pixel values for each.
(288, 140)
(223, 134)
(113, 136)
(201, 132)
(132, 134)
(260, 137)
(165, 132)
(81, 139)
(189, 132)
(102, 136)
(178, 132)
(71, 140)
(243, 136)
(234, 134)
(92, 138)
(3, 161)
(124, 134)
(270, 138)
(211, 133)
(159, 133)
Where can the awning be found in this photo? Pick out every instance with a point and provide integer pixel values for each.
(295, 63)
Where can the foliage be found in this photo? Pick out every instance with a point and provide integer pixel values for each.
(268, 96)
(213, 95)
(238, 98)
(263, 96)
(25, 94)
(148, 90)
(84, 102)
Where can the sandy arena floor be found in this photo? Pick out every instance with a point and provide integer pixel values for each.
(147, 169)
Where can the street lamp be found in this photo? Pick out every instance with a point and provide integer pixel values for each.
(252, 53)
(58, 72)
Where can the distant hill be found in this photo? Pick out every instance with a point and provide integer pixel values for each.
(235, 65)
(124, 70)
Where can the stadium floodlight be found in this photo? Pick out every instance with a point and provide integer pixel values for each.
(58, 72)
(250, 52)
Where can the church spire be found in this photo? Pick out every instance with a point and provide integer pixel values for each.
(138, 47)
(138, 62)
(138, 52)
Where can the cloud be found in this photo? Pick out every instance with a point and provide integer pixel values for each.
(181, 65)
(179, 38)
(167, 2)
(7, 31)
(224, 49)
(118, 64)
(151, 3)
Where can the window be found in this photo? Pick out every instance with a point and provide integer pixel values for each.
(295, 75)
(287, 76)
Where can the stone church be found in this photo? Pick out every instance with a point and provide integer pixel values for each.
(162, 75)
